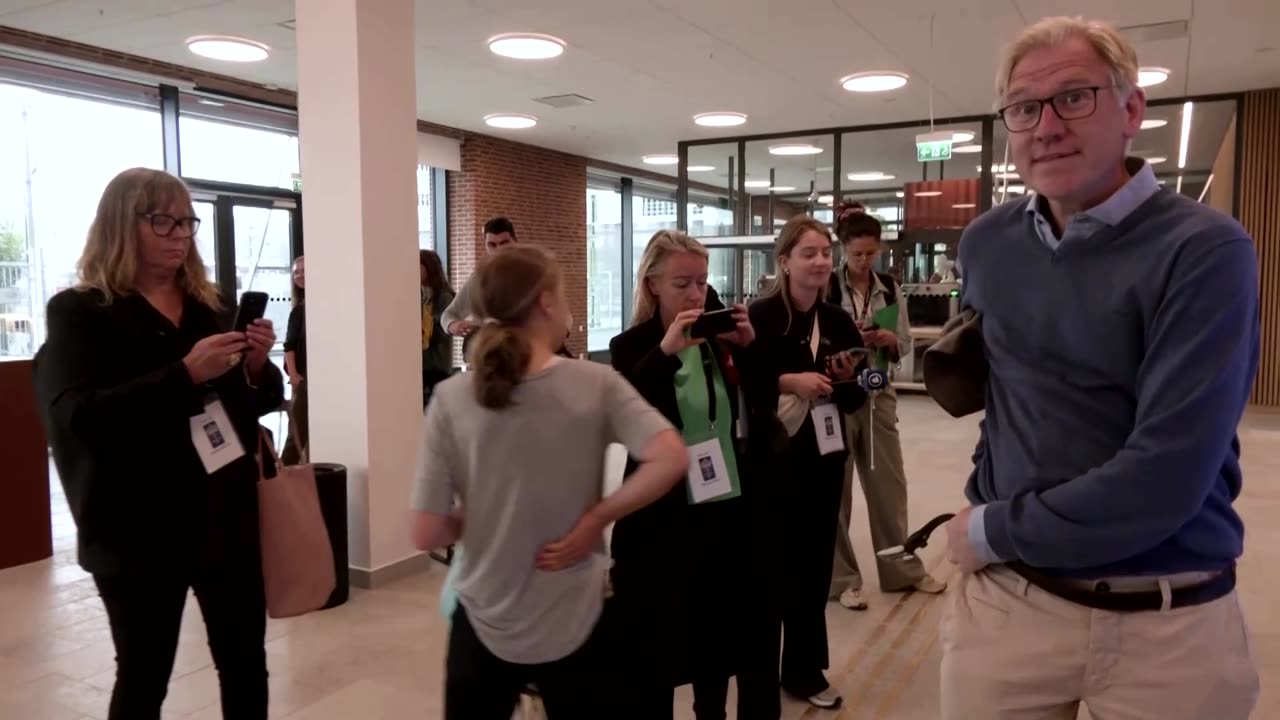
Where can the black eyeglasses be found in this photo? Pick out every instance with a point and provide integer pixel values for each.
(1069, 105)
(163, 224)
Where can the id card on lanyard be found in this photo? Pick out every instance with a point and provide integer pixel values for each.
(825, 414)
(214, 437)
(712, 475)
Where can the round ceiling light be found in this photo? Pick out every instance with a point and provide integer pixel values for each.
(1149, 76)
(871, 176)
(827, 199)
(1153, 123)
(227, 48)
(720, 119)
(661, 160)
(966, 149)
(929, 193)
(795, 149)
(510, 121)
(874, 81)
(701, 168)
(757, 184)
(781, 188)
(900, 194)
(526, 46)
(962, 136)
(1156, 159)
(964, 206)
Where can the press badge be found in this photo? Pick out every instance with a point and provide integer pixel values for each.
(215, 437)
(708, 475)
(826, 425)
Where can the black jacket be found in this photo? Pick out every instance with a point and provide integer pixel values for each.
(116, 402)
(674, 561)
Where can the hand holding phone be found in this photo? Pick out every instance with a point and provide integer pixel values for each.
(716, 322)
(253, 306)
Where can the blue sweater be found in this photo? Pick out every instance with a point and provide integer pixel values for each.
(1121, 363)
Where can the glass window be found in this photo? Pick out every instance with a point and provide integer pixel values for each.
(262, 258)
(230, 142)
(788, 177)
(713, 183)
(426, 224)
(653, 208)
(604, 266)
(59, 148)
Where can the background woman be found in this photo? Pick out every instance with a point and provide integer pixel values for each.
(674, 560)
(295, 364)
(804, 343)
(437, 345)
(530, 611)
(152, 413)
(873, 300)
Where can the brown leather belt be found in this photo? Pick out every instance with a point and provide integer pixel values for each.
(1101, 597)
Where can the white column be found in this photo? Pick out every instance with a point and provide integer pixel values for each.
(358, 136)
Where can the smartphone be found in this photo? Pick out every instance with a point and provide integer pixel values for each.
(253, 305)
(716, 322)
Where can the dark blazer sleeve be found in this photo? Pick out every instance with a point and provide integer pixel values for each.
(836, 323)
(636, 355)
(70, 385)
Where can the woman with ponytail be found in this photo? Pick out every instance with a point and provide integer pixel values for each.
(513, 455)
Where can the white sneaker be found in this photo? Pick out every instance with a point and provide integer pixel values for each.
(827, 699)
(852, 599)
(931, 585)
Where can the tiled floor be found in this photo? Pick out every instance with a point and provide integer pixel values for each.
(380, 656)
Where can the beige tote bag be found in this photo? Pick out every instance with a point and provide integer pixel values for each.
(297, 559)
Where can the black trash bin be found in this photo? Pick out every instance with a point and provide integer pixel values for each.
(331, 485)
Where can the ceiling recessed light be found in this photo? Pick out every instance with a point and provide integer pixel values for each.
(526, 46)
(510, 121)
(1153, 123)
(720, 119)
(660, 160)
(869, 176)
(1000, 168)
(900, 194)
(228, 48)
(795, 149)
(701, 168)
(961, 136)
(966, 149)
(210, 103)
(874, 81)
(757, 183)
(1156, 159)
(1149, 76)
(827, 199)
(964, 206)
(781, 188)
(929, 193)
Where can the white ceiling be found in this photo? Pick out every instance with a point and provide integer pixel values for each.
(651, 64)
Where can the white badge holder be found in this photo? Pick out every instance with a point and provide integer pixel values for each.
(826, 425)
(708, 476)
(215, 437)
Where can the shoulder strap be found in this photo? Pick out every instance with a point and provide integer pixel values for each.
(835, 294)
(891, 294)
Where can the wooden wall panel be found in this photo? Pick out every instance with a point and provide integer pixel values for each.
(1259, 191)
(939, 211)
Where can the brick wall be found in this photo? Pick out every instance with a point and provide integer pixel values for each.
(543, 192)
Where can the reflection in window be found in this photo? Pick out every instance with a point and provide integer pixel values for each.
(58, 151)
(604, 266)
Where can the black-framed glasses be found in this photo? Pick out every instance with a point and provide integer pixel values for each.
(163, 224)
(1074, 104)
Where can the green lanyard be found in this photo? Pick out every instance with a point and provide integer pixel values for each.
(705, 412)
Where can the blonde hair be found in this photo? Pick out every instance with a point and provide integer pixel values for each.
(787, 240)
(505, 291)
(109, 262)
(662, 245)
(1114, 49)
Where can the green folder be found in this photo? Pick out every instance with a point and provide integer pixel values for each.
(887, 319)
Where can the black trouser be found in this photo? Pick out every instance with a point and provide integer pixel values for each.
(144, 610)
(811, 510)
(481, 686)
(757, 698)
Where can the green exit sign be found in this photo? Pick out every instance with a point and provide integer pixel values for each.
(930, 151)
(934, 146)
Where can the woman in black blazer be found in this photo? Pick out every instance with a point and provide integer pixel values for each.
(677, 562)
(803, 345)
(152, 410)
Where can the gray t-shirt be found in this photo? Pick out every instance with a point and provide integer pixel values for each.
(525, 475)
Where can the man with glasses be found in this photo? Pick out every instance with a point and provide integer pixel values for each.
(1120, 324)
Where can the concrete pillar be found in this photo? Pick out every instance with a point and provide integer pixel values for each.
(357, 125)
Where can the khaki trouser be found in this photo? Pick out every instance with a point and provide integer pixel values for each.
(1012, 651)
(885, 489)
